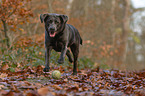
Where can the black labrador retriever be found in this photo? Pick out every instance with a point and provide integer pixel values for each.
(60, 36)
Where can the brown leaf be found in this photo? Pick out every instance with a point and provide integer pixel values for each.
(141, 74)
(72, 88)
(10, 93)
(3, 75)
(43, 91)
(2, 92)
(27, 87)
(56, 87)
(14, 88)
(31, 93)
(5, 67)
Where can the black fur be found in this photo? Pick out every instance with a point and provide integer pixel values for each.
(60, 36)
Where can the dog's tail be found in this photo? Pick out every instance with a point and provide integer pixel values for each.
(81, 41)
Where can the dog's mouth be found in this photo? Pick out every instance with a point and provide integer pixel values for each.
(52, 34)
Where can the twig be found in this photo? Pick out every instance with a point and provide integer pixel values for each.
(12, 12)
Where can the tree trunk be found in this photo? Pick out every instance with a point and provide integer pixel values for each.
(5, 32)
(69, 5)
(125, 31)
(50, 9)
(79, 8)
(113, 3)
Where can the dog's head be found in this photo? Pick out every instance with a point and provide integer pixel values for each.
(54, 23)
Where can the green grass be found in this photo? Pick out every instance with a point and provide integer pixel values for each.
(34, 56)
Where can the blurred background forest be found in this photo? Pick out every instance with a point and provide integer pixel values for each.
(113, 32)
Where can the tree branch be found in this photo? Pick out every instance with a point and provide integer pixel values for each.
(139, 9)
(6, 35)
(12, 12)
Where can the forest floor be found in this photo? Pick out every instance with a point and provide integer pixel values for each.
(34, 82)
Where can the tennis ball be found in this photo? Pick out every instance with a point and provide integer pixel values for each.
(56, 74)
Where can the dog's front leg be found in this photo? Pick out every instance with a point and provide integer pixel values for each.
(63, 53)
(47, 58)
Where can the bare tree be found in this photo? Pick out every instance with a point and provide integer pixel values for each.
(50, 9)
(125, 30)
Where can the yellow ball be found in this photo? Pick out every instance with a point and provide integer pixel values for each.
(56, 74)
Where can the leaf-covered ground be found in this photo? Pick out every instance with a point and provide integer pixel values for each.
(34, 82)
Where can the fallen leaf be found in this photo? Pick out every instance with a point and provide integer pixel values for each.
(43, 91)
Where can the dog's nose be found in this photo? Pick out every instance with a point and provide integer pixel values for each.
(52, 28)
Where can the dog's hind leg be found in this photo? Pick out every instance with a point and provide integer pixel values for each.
(75, 51)
(69, 56)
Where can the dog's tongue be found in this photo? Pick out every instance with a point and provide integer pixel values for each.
(52, 34)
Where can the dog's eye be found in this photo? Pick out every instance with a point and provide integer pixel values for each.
(50, 21)
(56, 22)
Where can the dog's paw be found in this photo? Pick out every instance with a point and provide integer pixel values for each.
(75, 73)
(46, 69)
(71, 60)
(60, 61)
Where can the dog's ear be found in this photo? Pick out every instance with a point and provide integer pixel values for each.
(64, 18)
(42, 17)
